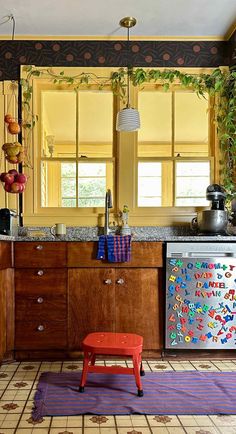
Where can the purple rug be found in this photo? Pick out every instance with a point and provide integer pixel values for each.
(189, 392)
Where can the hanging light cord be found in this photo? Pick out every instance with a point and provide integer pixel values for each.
(13, 26)
(8, 18)
(128, 68)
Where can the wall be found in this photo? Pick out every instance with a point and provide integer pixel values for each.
(232, 50)
(112, 53)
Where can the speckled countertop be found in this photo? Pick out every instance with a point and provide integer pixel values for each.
(144, 233)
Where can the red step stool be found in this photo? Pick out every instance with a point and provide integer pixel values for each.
(119, 344)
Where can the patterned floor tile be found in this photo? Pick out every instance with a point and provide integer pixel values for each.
(9, 421)
(160, 366)
(132, 420)
(11, 406)
(8, 431)
(93, 421)
(169, 430)
(32, 431)
(166, 420)
(224, 420)
(26, 421)
(205, 366)
(202, 430)
(18, 383)
(14, 394)
(228, 430)
(131, 430)
(188, 421)
(65, 431)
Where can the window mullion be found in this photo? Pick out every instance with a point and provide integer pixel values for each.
(77, 150)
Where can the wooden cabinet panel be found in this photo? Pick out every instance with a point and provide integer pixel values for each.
(35, 335)
(3, 329)
(6, 312)
(127, 303)
(91, 301)
(36, 282)
(40, 254)
(137, 304)
(143, 254)
(41, 308)
(5, 254)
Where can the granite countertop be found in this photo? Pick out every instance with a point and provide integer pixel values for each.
(144, 233)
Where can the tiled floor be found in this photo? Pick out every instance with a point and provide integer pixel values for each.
(18, 383)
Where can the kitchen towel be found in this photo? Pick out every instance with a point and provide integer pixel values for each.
(185, 392)
(114, 248)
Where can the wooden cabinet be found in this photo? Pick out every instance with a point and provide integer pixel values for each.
(6, 301)
(40, 296)
(91, 303)
(62, 292)
(121, 300)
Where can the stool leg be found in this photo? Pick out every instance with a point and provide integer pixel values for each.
(142, 372)
(93, 359)
(85, 371)
(137, 374)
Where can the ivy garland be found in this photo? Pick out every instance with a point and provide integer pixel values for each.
(221, 84)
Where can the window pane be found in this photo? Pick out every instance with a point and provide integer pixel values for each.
(92, 169)
(58, 114)
(92, 187)
(93, 181)
(149, 184)
(192, 179)
(68, 169)
(154, 138)
(98, 202)
(194, 168)
(95, 123)
(68, 187)
(191, 124)
(68, 203)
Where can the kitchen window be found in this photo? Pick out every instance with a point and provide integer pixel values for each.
(161, 172)
(76, 155)
(175, 142)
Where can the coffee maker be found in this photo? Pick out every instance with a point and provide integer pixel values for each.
(8, 222)
(213, 221)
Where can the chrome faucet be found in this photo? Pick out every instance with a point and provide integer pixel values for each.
(108, 204)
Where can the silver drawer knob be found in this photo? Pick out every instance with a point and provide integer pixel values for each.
(40, 273)
(120, 281)
(108, 282)
(39, 247)
(40, 328)
(40, 300)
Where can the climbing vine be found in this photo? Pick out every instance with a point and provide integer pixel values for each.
(221, 84)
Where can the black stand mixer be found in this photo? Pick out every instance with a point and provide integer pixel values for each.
(213, 221)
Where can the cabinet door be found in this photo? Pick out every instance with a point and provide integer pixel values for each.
(6, 313)
(91, 303)
(136, 304)
(2, 316)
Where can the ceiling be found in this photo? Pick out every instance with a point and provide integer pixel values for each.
(173, 19)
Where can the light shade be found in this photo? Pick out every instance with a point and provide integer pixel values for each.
(128, 120)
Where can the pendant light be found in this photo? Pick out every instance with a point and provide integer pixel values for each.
(128, 118)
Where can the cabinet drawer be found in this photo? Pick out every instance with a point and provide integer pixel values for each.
(143, 254)
(36, 282)
(40, 254)
(40, 308)
(35, 335)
